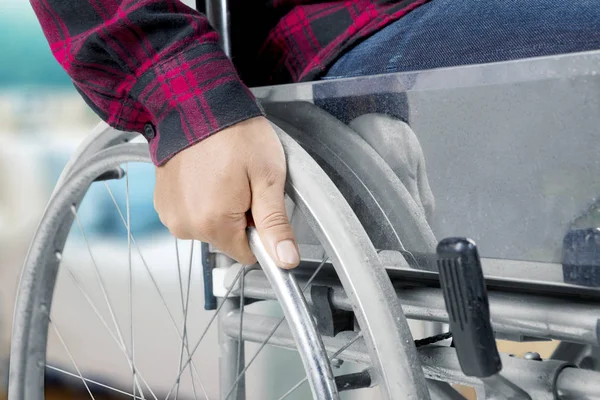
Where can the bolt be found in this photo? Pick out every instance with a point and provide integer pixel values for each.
(336, 362)
(533, 356)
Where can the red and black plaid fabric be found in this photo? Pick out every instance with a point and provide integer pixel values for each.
(155, 66)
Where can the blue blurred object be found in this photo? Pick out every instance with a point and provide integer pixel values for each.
(26, 57)
(97, 212)
(144, 219)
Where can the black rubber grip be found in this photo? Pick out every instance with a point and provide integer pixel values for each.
(208, 264)
(468, 308)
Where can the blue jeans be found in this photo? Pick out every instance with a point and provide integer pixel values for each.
(445, 33)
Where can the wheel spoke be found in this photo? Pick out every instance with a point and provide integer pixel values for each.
(99, 277)
(185, 335)
(210, 322)
(92, 305)
(293, 388)
(103, 321)
(270, 335)
(131, 321)
(155, 284)
(71, 358)
(62, 371)
(179, 369)
(240, 341)
(331, 357)
(139, 251)
(184, 307)
(106, 298)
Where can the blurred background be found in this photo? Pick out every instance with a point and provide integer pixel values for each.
(42, 119)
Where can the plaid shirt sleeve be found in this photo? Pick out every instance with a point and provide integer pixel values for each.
(312, 35)
(150, 66)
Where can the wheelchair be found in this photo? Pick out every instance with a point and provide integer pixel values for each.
(505, 167)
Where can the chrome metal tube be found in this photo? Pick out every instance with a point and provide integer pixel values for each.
(578, 384)
(217, 13)
(311, 349)
(540, 379)
(514, 314)
(231, 362)
(355, 260)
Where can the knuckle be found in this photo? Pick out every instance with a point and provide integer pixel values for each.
(178, 230)
(272, 174)
(176, 226)
(212, 223)
(236, 220)
(273, 220)
(205, 224)
(239, 249)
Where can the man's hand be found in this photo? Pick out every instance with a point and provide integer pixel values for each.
(206, 191)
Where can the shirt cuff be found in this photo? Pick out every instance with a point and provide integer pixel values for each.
(183, 100)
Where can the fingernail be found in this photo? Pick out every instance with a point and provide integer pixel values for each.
(287, 252)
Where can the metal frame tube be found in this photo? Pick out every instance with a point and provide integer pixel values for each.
(580, 384)
(229, 354)
(217, 13)
(542, 380)
(311, 349)
(513, 314)
(516, 314)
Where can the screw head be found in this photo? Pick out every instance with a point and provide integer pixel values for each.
(532, 355)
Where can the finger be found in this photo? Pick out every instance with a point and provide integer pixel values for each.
(239, 249)
(271, 220)
(228, 234)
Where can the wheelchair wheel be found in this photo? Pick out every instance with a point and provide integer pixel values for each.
(384, 206)
(64, 283)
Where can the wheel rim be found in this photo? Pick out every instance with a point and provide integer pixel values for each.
(384, 326)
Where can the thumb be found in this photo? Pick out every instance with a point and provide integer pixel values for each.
(272, 223)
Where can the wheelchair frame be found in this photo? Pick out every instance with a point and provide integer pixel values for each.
(409, 290)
